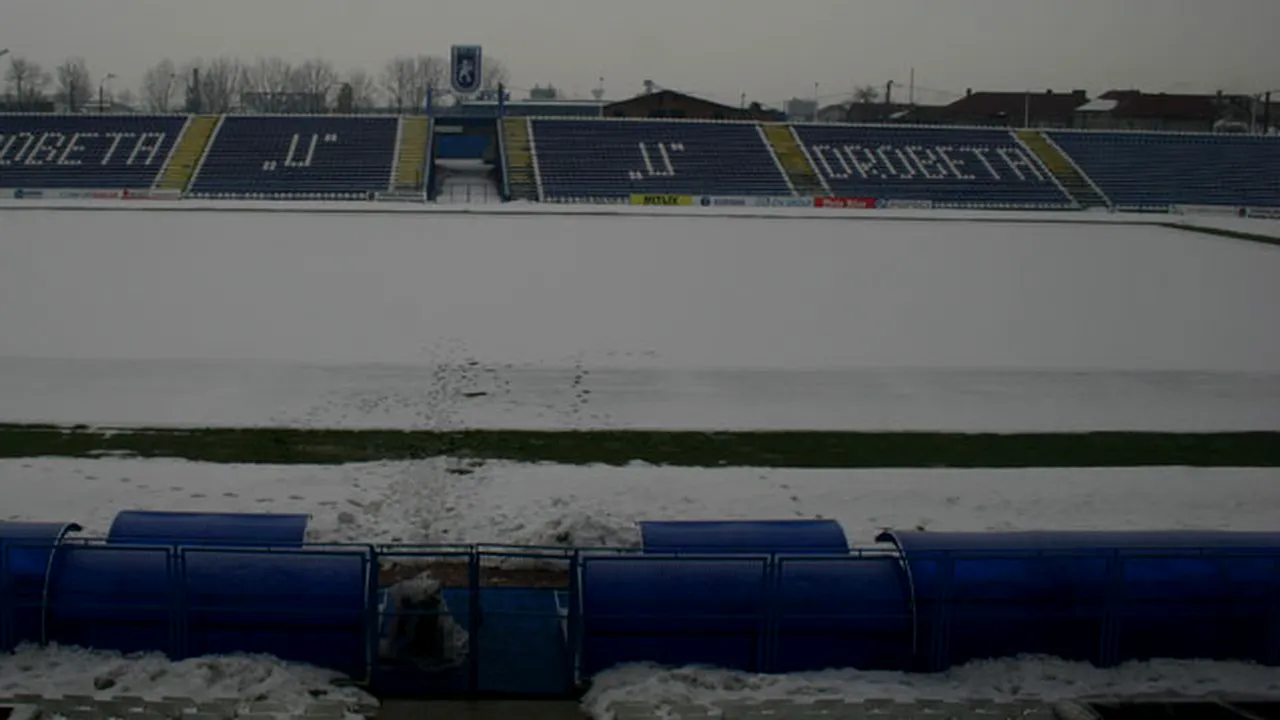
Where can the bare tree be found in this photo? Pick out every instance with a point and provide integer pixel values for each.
(220, 81)
(158, 85)
(431, 75)
(496, 73)
(866, 94)
(128, 99)
(27, 81)
(364, 91)
(269, 80)
(316, 78)
(408, 80)
(269, 76)
(397, 81)
(75, 86)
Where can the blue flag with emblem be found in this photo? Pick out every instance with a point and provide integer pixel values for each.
(465, 69)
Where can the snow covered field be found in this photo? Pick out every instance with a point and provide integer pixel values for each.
(443, 501)
(457, 394)
(505, 320)
(523, 319)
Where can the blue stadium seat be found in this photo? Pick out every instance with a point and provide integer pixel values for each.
(613, 159)
(331, 157)
(108, 152)
(1154, 170)
(953, 167)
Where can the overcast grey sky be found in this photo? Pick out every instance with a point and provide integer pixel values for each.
(770, 49)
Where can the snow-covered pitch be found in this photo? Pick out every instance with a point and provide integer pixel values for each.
(367, 320)
(526, 319)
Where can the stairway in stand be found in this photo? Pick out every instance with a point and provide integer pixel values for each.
(186, 156)
(1081, 190)
(519, 159)
(792, 159)
(411, 161)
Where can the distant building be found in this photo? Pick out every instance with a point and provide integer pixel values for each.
(1135, 110)
(672, 104)
(801, 110)
(30, 106)
(283, 103)
(524, 108)
(834, 113)
(1048, 109)
(543, 93)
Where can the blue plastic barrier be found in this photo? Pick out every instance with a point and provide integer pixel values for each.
(758, 614)
(754, 537)
(673, 611)
(841, 612)
(1103, 597)
(145, 527)
(305, 605)
(26, 554)
(931, 601)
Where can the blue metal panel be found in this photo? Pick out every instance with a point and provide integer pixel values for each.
(847, 612)
(1098, 597)
(304, 605)
(673, 611)
(27, 551)
(753, 537)
(468, 147)
(145, 527)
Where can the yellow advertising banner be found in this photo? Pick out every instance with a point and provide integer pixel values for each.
(662, 200)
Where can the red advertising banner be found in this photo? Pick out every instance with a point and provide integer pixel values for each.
(855, 203)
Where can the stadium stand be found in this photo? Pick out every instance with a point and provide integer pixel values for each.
(301, 157)
(108, 152)
(613, 159)
(1140, 170)
(952, 167)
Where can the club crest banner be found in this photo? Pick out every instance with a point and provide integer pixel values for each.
(465, 68)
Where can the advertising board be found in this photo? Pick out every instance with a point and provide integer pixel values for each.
(907, 204)
(848, 203)
(662, 200)
(713, 201)
(1210, 210)
(1263, 213)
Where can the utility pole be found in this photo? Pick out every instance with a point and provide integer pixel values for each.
(888, 93)
(911, 89)
(102, 105)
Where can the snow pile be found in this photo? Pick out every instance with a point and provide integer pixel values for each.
(58, 671)
(1037, 678)
(441, 501)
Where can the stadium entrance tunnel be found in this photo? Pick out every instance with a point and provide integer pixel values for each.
(757, 596)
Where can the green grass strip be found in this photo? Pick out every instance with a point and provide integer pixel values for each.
(800, 449)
